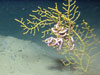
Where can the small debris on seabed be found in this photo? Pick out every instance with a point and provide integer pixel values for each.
(20, 50)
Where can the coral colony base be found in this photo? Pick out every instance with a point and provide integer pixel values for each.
(74, 42)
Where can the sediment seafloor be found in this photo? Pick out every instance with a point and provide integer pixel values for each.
(23, 57)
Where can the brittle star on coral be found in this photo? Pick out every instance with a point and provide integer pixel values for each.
(59, 31)
(51, 41)
(70, 43)
(61, 34)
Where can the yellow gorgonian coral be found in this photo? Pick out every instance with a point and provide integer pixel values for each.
(75, 42)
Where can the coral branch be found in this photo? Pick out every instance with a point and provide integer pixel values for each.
(75, 42)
